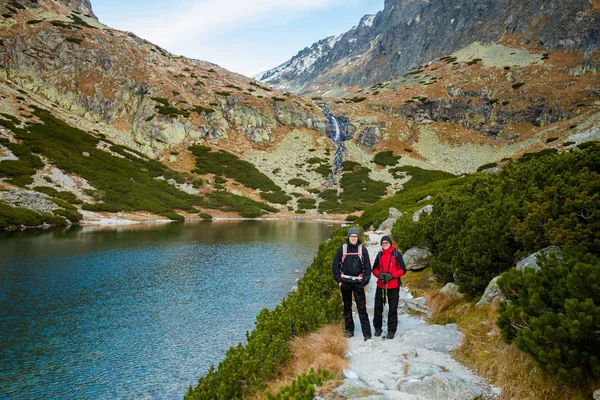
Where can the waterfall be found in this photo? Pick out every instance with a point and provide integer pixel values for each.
(336, 137)
(335, 134)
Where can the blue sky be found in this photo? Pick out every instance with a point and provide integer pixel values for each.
(243, 36)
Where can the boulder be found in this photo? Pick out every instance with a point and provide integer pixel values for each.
(491, 292)
(393, 215)
(425, 199)
(440, 338)
(416, 259)
(597, 394)
(354, 389)
(31, 200)
(417, 215)
(451, 289)
(531, 260)
(441, 386)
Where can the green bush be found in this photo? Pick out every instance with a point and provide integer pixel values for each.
(247, 208)
(303, 387)
(306, 204)
(349, 165)
(247, 368)
(298, 182)
(122, 184)
(222, 162)
(278, 197)
(554, 314)
(205, 216)
(386, 158)
(487, 166)
(420, 176)
(480, 228)
(173, 216)
(73, 216)
(351, 218)
(64, 195)
(15, 216)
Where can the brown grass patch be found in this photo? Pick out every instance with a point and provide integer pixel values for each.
(502, 364)
(418, 282)
(324, 349)
(484, 350)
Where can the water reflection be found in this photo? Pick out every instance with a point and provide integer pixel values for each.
(141, 310)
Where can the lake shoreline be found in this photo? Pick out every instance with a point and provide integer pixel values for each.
(117, 222)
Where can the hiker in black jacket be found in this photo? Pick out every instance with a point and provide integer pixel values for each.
(352, 270)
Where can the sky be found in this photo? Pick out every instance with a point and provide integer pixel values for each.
(242, 36)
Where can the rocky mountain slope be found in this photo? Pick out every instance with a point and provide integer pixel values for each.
(450, 103)
(409, 33)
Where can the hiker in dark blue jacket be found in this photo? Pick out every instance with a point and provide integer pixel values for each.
(352, 270)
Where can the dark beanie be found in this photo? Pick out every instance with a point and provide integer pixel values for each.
(387, 239)
(353, 231)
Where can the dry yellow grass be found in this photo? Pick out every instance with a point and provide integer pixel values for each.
(483, 349)
(324, 349)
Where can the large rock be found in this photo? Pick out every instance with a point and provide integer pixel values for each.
(597, 394)
(531, 260)
(417, 215)
(451, 289)
(354, 389)
(440, 338)
(492, 291)
(393, 215)
(441, 386)
(29, 199)
(416, 259)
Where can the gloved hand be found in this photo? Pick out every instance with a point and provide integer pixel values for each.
(385, 277)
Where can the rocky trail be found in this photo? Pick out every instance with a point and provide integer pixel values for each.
(415, 365)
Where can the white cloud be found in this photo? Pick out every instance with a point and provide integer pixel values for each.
(195, 19)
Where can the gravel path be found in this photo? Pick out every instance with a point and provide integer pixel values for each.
(415, 365)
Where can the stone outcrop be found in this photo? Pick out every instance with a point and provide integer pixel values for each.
(451, 289)
(388, 224)
(417, 215)
(28, 199)
(531, 261)
(416, 259)
(492, 291)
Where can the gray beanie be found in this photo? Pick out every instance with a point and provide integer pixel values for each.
(353, 231)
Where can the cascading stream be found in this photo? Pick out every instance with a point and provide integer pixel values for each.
(338, 138)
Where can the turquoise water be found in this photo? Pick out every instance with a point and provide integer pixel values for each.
(138, 312)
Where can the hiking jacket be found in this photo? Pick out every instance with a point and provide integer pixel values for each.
(353, 265)
(391, 261)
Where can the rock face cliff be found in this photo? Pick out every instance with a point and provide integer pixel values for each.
(442, 85)
(409, 33)
(60, 52)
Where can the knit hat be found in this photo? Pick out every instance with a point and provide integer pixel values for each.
(386, 239)
(353, 231)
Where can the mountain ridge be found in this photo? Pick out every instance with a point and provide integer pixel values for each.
(406, 34)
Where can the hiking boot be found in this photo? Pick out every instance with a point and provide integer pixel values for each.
(389, 336)
(367, 338)
(378, 332)
(348, 334)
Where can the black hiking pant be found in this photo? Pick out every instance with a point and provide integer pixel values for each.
(393, 296)
(361, 306)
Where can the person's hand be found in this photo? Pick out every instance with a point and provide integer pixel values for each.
(340, 284)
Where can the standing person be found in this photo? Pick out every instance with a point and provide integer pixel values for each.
(352, 270)
(388, 268)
